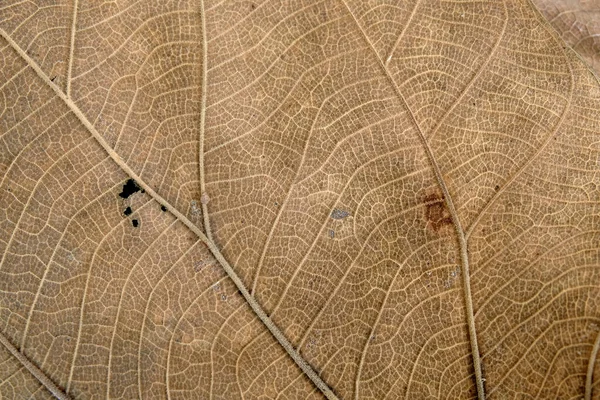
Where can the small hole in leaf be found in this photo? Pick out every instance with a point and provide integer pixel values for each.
(135, 223)
(127, 211)
(163, 208)
(130, 187)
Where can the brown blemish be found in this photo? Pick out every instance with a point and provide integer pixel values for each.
(436, 212)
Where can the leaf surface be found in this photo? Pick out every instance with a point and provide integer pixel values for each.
(299, 199)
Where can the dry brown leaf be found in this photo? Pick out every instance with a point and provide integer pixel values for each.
(296, 200)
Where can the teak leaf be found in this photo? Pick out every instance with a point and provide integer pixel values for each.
(339, 199)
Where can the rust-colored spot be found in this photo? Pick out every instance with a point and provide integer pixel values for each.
(436, 213)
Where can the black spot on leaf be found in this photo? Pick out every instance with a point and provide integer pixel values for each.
(163, 208)
(130, 187)
(135, 223)
(127, 211)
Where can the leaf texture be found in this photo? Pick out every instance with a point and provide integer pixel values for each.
(298, 199)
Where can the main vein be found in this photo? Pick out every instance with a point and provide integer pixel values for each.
(203, 194)
(260, 313)
(464, 256)
(33, 369)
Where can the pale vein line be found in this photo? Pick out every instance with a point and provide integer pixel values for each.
(265, 370)
(476, 76)
(288, 194)
(283, 390)
(130, 108)
(212, 349)
(454, 216)
(86, 291)
(72, 47)
(542, 147)
(267, 34)
(448, 368)
(389, 341)
(8, 81)
(21, 122)
(145, 316)
(401, 35)
(535, 342)
(556, 357)
(379, 314)
(169, 351)
(258, 310)
(9, 169)
(526, 268)
(590, 370)
(33, 369)
(9, 377)
(298, 82)
(113, 16)
(121, 295)
(203, 202)
(322, 228)
(237, 361)
(126, 40)
(412, 378)
(51, 260)
(272, 65)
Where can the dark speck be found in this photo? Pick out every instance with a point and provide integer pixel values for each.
(163, 208)
(135, 223)
(127, 211)
(497, 187)
(130, 187)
